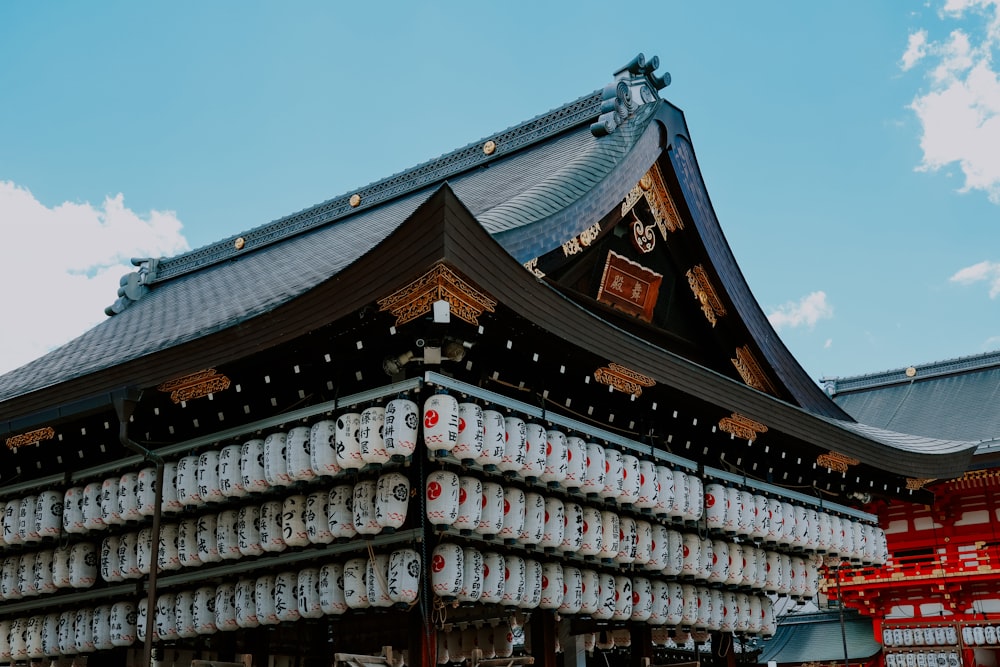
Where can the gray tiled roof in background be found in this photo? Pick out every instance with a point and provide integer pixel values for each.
(818, 638)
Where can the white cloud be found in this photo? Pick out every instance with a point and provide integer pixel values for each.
(60, 266)
(828, 344)
(805, 312)
(960, 113)
(982, 272)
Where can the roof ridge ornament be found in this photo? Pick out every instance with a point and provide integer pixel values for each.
(132, 286)
(634, 84)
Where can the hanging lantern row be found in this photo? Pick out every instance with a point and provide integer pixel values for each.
(457, 644)
(979, 635)
(924, 659)
(31, 519)
(491, 511)
(72, 632)
(660, 637)
(366, 508)
(47, 571)
(945, 635)
(734, 511)
(466, 575)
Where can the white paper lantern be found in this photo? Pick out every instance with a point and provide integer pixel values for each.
(404, 576)
(252, 466)
(515, 446)
(590, 592)
(128, 563)
(614, 475)
(514, 580)
(649, 489)
(340, 511)
(768, 625)
(442, 497)
(123, 624)
(610, 535)
(627, 540)
(230, 475)
(534, 452)
(72, 518)
(494, 571)
(308, 589)
(5, 639)
(761, 518)
(187, 482)
(447, 569)
(371, 436)
(798, 577)
(41, 573)
(227, 541)
(470, 442)
(657, 547)
(776, 522)
(169, 500)
(673, 560)
(187, 542)
(605, 597)
(718, 605)
(744, 513)
(298, 453)
(83, 565)
(484, 642)
(208, 477)
(110, 566)
(18, 646)
(35, 639)
(60, 567)
(440, 419)
(267, 613)
(503, 641)
(355, 583)
(101, 627)
(734, 576)
(556, 459)
(272, 535)
(572, 534)
(392, 497)
(26, 520)
(595, 468)
(275, 460)
(659, 605)
(513, 513)
(642, 599)
(248, 531)
(572, 590)
(576, 463)
(665, 499)
(623, 598)
(204, 610)
(629, 493)
(317, 518)
(246, 603)
(691, 551)
(534, 518)
(492, 515)
(787, 537)
(92, 517)
(348, 441)
(715, 507)
(402, 420)
(681, 507)
(293, 521)
(323, 448)
(554, 524)
(719, 572)
(494, 440)
(208, 540)
(592, 533)
(696, 496)
(225, 607)
(377, 581)
(83, 634)
(65, 638)
(470, 503)
(531, 596)
(48, 514)
(472, 575)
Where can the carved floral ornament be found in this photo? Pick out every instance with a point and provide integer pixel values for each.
(30, 438)
(742, 427)
(652, 189)
(195, 385)
(836, 461)
(439, 284)
(750, 370)
(704, 292)
(914, 484)
(623, 379)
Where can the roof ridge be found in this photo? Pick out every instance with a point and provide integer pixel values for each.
(973, 362)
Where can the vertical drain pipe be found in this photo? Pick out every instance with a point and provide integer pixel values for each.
(125, 401)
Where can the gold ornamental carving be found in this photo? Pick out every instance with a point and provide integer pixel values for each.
(705, 293)
(30, 438)
(742, 427)
(750, 370)
(579, 243)
(532, 266)
(914, 484)
(195, 385)
(836, 461)
(438, 284)
(652, 188)
(623, 379)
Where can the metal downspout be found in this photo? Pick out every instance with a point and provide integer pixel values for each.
(125, 402)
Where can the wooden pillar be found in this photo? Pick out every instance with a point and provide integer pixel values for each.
(422, 643)
(723, 652)
(642, 643)
(543, 638)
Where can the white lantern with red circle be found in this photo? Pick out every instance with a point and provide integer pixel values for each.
(629, 493)
(404, 576)
(554, 524)
(719, 572)
(532, 593)
(754, 615)
(744, 513)
(572, 534)
(227, 539)
(717, 608)
(536, 442)
(494, 571)
(627, 540)
(377, 581)
(610, 535)
(440, 419)
(470, 503)
(797, 575)
(556, 459)
(590, 592)
(514, 581)
(576, 463)
(593, 531)
(371, 436)
(734, 575)
(761, 518)
(472, 575)
(642, 599)
(768, 624)
(614, 475)
(673, 565)
(552, 586)
(605, 597)
(691, 551)
(715, 507)
(348, 441)
(659, 602)
(705, 568)
(323, 448)
(515, 446)
(595, 470)
(470, 441)
(680, 509)
(572, 593)
(402, 420)
(657, 547)
(775, 526)
(447, 569)
(492, 514)
(494, 440)
(665, 495)
(513, 513)
(442, 497)
(365, 522)
(649, 489)
(340, 511)
(534, 518)
(503, 641)
(332, 597)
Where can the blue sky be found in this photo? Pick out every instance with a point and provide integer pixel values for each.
(851, 148)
